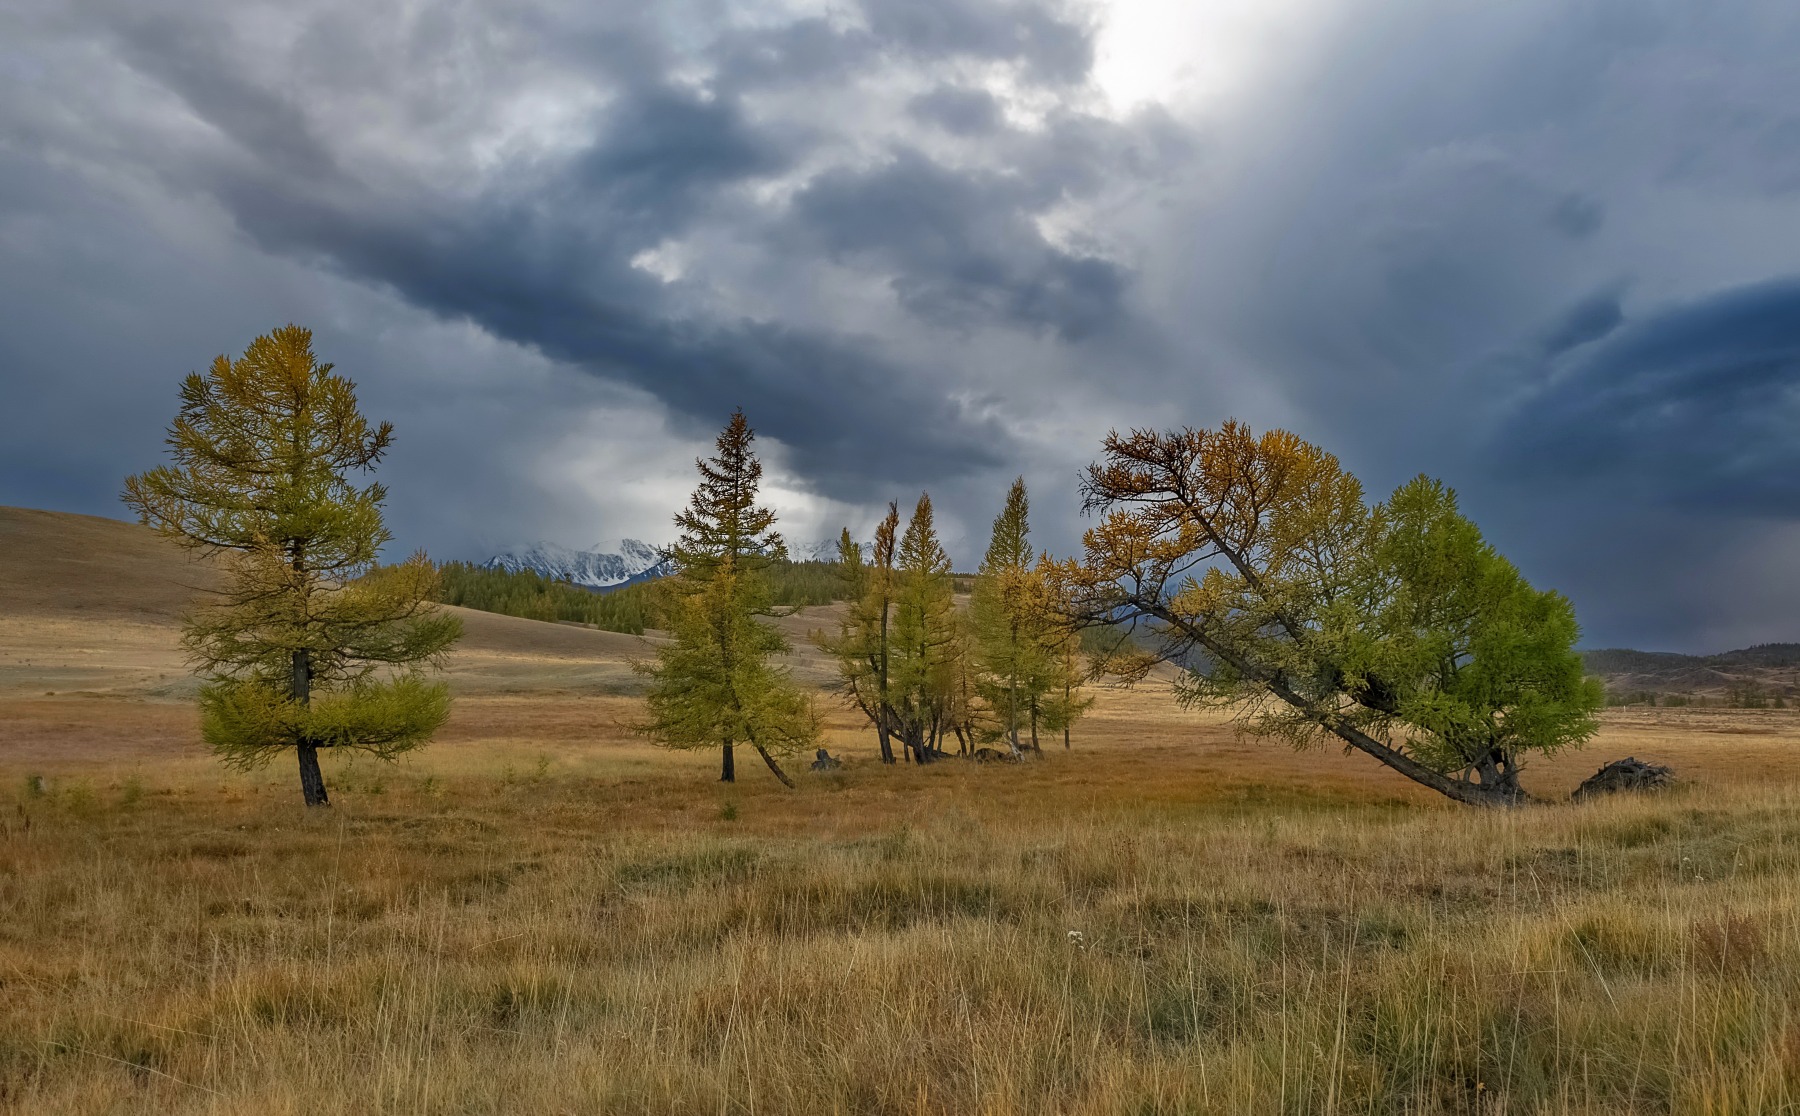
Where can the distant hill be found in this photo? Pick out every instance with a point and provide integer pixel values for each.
(92, 605)
(1748, 676)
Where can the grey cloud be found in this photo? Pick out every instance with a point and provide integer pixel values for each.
(1588, 320)
(801, 54)
(1578, 216)
(1060, 48)
(958, 110)
(176, 54)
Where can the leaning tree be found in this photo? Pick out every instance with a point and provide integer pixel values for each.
(311, 644)
(1259, 569)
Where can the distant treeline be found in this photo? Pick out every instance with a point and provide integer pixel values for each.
(1745, 695)
(1618, 660)
(630, 608)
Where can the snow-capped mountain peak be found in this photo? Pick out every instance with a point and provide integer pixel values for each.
(606, 566)
(610, 565)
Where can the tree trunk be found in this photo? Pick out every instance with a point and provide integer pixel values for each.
(1474, 794)
(1495, 771)
(728, 768)
(1035, 746)
(312, 780)
(1068, 711)
(1012, 703)
(773, 766)
(883, 727)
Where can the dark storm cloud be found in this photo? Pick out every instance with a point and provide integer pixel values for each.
(660, 156)
(961, 247)
(544, 257)
(1588, 320)
(1694, 407)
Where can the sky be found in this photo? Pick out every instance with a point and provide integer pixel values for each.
(1545, 250)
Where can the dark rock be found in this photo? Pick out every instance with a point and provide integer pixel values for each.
(1629, 774)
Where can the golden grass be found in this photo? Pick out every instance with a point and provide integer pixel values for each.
(540, 915)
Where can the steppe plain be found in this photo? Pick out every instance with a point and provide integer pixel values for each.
(541, 913)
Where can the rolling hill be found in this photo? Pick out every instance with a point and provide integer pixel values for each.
(1763, 672)
(93, 605)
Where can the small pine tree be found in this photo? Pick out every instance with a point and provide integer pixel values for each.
(311, 645)
(714, 684)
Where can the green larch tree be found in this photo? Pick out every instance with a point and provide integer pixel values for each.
(1070, 668)
(311, 644)
(862, 643)
(715, 683)
(922, 650)
(1008, 618)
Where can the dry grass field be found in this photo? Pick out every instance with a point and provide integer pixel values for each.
(540, 914)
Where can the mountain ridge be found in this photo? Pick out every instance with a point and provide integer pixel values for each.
(629, 561)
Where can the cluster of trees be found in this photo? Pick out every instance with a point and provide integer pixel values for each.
(922, 670)
(1252, 563)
